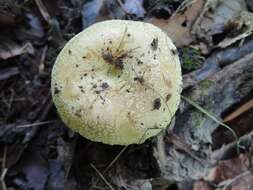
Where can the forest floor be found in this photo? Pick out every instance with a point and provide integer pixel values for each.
(209, 145)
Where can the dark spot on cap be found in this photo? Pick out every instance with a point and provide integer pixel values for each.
(119, 63)
(127, 90)
(142, 124)
(85, 74)
(97, 92)
(94, 86)
(110, 42)
(84, 57)
(78, 113)
(56, 90)
(174, 51)
(139, 79)
(128, 35)
(81, 89)
(77, 65)
(103, 100)
(168, 97)
(154, 43)
(139, 62)
(157, 103)
(104, 85)
(92, 69)
(69, 51)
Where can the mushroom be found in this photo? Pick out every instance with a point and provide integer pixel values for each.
(117, 82)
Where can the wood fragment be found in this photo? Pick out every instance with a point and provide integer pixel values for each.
(243, 108)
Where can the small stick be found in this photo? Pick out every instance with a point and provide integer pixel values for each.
(102, 177)
(36, 124)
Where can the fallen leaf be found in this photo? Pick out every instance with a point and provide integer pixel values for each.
(135, 8)
(244, 182)
(228, 169)
(7, 73)
(100, 10)
(93, 11)
(10, 49)
(201, 185)
(178, 27)
(36, 28)
(245, 24)
(214, 24)
(7, 19)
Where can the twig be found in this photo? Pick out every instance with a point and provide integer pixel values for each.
(112, 162)
(42, 59)
(4, 170)
(245, 107)
(7, 73)
(225, 184)
(4, 157)
(37, 124)
(115, 159)
(102, 177)
(44, 11)
(2, 183)
(122, 7)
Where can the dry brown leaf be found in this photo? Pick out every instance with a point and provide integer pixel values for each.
(178, 27)
(7, 19)
(201, 185)
(244, 23)
(228, 169)
(243, 183)
(219, 20)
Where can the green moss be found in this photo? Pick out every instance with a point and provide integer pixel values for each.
(198, 119)
(191, 59)
(205, 84)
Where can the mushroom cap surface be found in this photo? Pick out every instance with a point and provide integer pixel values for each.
(117, 82)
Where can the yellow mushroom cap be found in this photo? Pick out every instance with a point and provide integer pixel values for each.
(117, 82)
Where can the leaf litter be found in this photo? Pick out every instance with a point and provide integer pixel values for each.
(215, 40)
